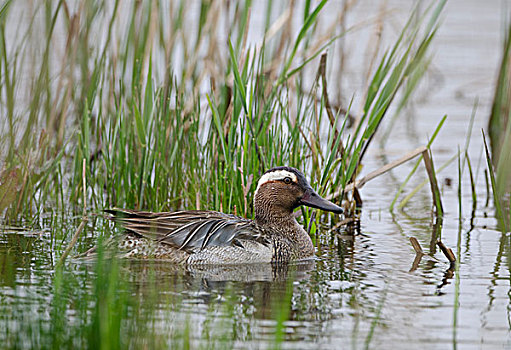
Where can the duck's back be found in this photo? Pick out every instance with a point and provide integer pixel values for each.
(193, 237)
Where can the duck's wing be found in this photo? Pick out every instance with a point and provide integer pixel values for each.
(189, 230)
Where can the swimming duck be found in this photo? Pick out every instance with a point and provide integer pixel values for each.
(210, 237)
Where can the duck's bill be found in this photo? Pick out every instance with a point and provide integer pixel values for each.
(314, 200)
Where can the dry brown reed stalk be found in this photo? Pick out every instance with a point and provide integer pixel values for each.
(361, 182)
(213, 53)
(341, 52)
(374, 47)
(343, 222)
(419, 253)
(428, 162)
(58, 112)
(416, 262)
(331, 117)
(272, 67)
(286, 36)
(73, 241)
(447, 252)
(416, 246)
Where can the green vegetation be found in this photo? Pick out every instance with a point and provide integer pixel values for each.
(155, 122)
(500, 137)
(142, 105)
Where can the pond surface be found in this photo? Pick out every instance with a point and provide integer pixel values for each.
(360, 291)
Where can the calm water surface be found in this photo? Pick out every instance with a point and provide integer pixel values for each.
(360, 290)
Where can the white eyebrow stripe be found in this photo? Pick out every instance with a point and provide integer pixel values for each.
(275, 176)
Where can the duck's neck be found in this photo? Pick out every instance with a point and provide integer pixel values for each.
(284, 224)
(268, 213)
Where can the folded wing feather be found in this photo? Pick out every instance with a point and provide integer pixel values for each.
(189, 230)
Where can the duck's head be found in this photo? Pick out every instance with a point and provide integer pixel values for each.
(282, 189)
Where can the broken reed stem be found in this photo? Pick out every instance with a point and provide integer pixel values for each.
(357, 198)
(416, 262)
(416, 246)
(73, 241)
(360, 183)
(419, 253)
(447, 251)
(328, 107)
(343, 222)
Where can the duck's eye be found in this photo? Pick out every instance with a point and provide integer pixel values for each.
(287, 180)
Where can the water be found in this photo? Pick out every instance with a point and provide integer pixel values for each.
(360, 290)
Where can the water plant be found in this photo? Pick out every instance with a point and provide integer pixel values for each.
(499, 130)
(156, 136)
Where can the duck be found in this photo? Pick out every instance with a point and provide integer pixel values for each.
(202, 237)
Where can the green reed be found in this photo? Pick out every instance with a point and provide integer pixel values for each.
(153, 137)
(499, 130)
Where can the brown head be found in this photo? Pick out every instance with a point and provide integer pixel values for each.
(281, 190)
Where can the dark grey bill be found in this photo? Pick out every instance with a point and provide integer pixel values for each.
(312, 199)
